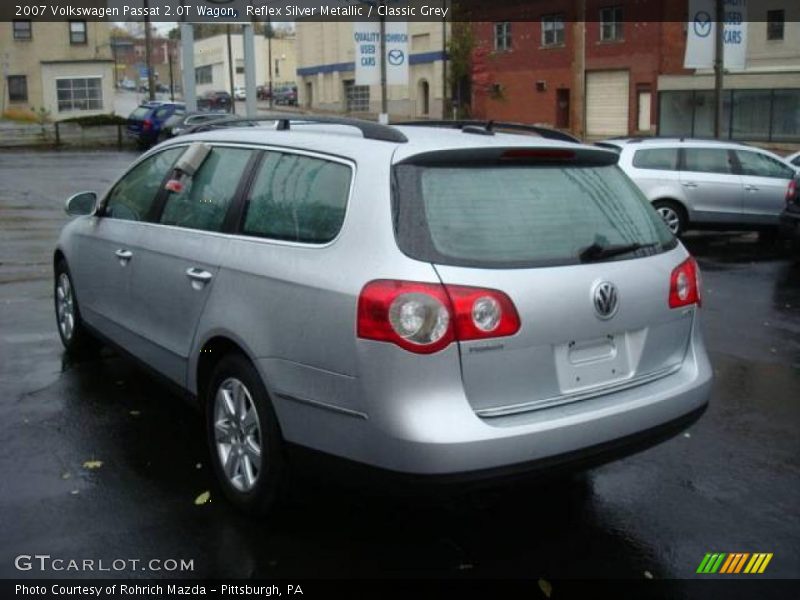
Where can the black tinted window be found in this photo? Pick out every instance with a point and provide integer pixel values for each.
(708, 160)
(132, 198)
(298, 198)
(761, 165)
(204, 200)
(497, 216)
(663, 159)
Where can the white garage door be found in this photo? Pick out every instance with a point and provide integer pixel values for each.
(607, 103)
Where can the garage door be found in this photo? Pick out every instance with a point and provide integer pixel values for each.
(607, 103)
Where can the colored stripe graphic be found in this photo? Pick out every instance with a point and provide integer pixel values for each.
(734, 563)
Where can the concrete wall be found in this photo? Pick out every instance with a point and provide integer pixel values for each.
(50, 43)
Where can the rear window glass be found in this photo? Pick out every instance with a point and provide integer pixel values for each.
(521, 216)
(663, 159)
(139, 113)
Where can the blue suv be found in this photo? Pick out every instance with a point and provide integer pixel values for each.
(145, 124)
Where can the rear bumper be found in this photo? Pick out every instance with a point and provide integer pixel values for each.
(424, 426)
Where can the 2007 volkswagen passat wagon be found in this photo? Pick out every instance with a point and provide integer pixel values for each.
(423, 300)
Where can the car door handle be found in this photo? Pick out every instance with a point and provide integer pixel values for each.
(199, 275)
(124, 255)
(689, 184)
(750, 188)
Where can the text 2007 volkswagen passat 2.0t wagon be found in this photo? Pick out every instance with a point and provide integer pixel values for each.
(437, 301)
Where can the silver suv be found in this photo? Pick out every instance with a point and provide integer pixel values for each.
(426, 301)
(707, 184)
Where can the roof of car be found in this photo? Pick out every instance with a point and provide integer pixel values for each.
(347, 141)
(659, 141)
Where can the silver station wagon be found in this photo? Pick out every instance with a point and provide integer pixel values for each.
(440, 302)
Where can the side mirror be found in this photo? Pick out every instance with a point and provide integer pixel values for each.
(82, 203)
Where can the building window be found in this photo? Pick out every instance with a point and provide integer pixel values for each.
(23, 30)
(611, 23)
(356, 97)
(203, 75)
(17, 88)
(775, 19)
(502, 36)
(77, 32)
(84, 93)
(553, 30)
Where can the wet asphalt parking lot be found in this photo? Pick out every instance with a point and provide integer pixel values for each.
(731, 483)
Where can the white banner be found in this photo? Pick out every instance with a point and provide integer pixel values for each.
(702, 32)
(366, 37)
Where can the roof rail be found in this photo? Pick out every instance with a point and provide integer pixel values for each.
(488, 127)
(369, 129)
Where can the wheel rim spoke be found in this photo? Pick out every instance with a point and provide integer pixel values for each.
(237, 433)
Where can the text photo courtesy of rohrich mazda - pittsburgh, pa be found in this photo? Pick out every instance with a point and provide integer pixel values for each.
(400, 299)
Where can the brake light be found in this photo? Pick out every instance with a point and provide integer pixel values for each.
(427, 317)
(538, 154)
(684, 285)
(147, 124)
(791, 191)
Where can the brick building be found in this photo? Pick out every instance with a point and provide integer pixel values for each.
(537, 61)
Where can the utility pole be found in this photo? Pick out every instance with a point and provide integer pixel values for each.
(445, 94)
(171, 80)
(384, 116)
(719, 67)
(230, 68)
(269, 57)
(148, 59)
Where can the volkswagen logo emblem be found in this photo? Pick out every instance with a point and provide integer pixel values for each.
(606, 299)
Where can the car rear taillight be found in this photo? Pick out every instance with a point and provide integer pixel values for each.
(684, 284)
(427, 317)
(791, 191)
(147, 124)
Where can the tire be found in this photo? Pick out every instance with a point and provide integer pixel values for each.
(73, 333)
(673, 214)
(240, 420)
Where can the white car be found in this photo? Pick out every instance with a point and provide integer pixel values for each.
(239, 93)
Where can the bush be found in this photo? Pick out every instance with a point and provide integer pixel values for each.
(97, 120)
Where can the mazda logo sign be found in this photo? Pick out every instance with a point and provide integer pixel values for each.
(606, 299)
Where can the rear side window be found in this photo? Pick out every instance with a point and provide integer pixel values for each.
(205, 198)
(708, 160)
(661, 159)
(297, 198)
(139, 114)
(520, 216)
(132, 198)
(761, 165)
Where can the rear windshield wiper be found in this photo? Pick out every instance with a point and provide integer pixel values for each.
(597, 251)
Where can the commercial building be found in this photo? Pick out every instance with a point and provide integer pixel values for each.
(326, 71)
(65, 68)
(605, 69)
(212, 66)
(129, 57)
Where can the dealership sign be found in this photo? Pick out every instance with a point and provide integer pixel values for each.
(367, 39)
(702, 32)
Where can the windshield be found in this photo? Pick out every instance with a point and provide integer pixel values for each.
(523, 216)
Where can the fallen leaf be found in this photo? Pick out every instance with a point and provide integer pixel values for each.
(198, 466)
(687, 435)
(75, 492)
(648, 575)
(464, 567)
(66, 475)
(203, 498)
(135, 413)
(546, 587)
(92, 464)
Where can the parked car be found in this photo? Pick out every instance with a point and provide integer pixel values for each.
(707, 184)
(128, 85)
(790, 217)
(507, 304)
(262, 92)
(218, 100)
(179, 124)
(285, 95)
(146, 121)
(239, 92)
